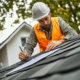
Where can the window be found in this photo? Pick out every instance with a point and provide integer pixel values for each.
(23, 41)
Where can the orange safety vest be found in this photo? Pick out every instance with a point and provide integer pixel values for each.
(56, 34)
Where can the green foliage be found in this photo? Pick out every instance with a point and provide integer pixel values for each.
(69, 10)
(1, 27)
(7, 6)
(16, 21)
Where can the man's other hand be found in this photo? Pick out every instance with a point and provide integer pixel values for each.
(54, 44)
(23, 55)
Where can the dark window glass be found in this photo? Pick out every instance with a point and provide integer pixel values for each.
(23, 41)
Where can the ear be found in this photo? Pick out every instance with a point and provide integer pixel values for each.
(49, 14)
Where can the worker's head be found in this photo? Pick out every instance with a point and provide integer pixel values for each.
(41, 13)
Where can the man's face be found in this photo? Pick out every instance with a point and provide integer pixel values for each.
(45, 22)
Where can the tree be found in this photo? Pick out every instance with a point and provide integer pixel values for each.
(69, 10)
(7, 6)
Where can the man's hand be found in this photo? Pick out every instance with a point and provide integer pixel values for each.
(54, 44)
(23, 55)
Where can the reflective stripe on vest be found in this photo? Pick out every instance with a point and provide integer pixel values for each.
(56, 34)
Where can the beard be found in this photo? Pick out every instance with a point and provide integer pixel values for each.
(47, 27)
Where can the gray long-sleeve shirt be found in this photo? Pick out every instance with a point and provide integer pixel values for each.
(66, 29)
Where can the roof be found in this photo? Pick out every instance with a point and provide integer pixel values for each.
(64, 64)
(9, 37)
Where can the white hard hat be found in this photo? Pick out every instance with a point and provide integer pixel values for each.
(40, 10)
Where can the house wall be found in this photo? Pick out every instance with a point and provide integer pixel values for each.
(13, 46)
(36, 50)
(4, 57)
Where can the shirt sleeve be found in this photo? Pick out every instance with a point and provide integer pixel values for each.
(66, 29)
(31, 43)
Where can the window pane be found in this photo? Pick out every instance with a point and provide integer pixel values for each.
(23, 41)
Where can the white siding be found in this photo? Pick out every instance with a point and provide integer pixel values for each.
(36, 50)
(4, 57)
(13, 46)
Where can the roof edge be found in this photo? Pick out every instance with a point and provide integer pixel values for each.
(13, 33)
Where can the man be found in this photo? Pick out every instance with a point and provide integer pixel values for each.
(49, 32)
